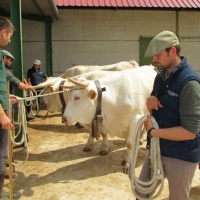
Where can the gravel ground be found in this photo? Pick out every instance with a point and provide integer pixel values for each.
(58, 169)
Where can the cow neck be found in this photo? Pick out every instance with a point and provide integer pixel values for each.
(95, 126)
(99, 98)
(61, 96)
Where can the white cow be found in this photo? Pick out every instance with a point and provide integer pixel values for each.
(123, 103)
(53, 101)
(80, 69)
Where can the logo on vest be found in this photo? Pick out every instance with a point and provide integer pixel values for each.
(172, 93)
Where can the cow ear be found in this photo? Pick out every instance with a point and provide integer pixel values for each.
(92, 94)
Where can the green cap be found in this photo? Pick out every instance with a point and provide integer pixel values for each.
(6, 53)
(160, 42)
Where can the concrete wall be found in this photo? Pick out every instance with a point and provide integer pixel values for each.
(34, 43)
(101, 37)
(106, 36)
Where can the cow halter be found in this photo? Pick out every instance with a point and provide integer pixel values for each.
(95, 128)
(61, 96)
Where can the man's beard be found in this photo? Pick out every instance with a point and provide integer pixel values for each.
(160, 67)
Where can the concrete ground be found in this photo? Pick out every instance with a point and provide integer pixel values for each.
(58, 169)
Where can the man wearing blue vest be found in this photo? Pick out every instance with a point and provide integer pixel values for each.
(175, 104)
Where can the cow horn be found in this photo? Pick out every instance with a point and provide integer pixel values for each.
(79, 83)
(41, 85)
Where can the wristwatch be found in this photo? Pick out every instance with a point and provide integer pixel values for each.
(149, 132)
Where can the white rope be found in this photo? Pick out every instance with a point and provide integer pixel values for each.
(157, 176)
(33, 97)
(21, 125)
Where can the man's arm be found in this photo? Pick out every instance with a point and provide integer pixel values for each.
(23, 86)
(189, 115)
(175, 133)
(14, 81)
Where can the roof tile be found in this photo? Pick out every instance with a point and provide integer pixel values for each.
(130, 3)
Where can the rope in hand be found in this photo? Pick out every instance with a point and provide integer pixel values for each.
(156, 173)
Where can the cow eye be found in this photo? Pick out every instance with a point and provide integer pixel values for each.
(76, 98)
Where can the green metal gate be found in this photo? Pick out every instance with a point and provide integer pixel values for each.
(144, 42)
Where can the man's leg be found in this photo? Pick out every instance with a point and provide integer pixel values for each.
(3, 153)
(180, 175)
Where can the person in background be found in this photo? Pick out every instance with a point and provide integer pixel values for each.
(175, 104)
(14, 81)
(6, 31)
(35, 76)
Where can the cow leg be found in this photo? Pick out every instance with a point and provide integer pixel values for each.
(90, 143)
(105, 145)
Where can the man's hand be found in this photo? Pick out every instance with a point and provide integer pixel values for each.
(153, 103)
(29, 88)
(148, 123)
(5, 122)
(13, 98)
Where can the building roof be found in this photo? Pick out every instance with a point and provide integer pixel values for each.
(130, 3)
(33, 7)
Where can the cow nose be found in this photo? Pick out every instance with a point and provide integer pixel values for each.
(64, 119)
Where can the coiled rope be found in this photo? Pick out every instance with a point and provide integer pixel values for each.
(21, 123)
(156, 170)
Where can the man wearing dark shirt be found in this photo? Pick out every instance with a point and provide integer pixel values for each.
(35, 76)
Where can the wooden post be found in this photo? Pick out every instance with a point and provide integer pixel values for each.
(10, 149)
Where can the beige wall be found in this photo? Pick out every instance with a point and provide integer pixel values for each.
(34, 43)
(100, 37)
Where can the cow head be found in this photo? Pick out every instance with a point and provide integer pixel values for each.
(53, 101)
(82, 102)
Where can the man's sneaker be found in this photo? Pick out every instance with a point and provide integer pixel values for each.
(6, 195)
(38, 115)
(29, 117)
(6, 174)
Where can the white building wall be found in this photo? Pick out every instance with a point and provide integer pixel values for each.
(189, 30)
(34, 44)
(101, 37)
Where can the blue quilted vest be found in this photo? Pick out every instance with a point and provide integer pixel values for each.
(168, 93)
